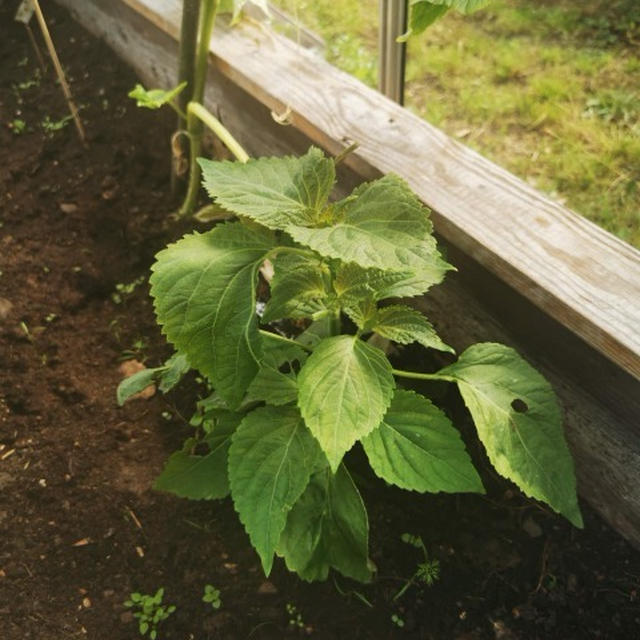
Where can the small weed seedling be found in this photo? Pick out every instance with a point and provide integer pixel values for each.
(125, 289)
(151, 612)
(295, 617)
(212, 596)
(18, 126)
(397, 620)
(51, 126)
(427, 572)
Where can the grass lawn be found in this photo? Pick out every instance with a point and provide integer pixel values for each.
(549, 89)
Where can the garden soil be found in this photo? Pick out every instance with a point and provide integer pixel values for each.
(81, 527)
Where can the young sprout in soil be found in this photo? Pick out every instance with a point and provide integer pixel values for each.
(125, 289)
(150, 611)
(397, 620)
(51, 126)
(295, 617)
(212, 596)
(427, 572)
(18, 126)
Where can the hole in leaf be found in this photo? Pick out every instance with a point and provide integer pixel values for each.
(287, 367)
(519, 406)
(201, 449)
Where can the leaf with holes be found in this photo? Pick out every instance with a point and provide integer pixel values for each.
(519, 422)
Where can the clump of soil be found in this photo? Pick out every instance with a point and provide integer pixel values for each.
(80, 526)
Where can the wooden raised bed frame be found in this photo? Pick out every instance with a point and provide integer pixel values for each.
(532, 274)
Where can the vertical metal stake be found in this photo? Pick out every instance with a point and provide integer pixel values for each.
(392, 56)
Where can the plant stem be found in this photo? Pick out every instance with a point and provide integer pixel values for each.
(219, 129)
(277, 336)
(415, 375)
(345, 152)
(187, 55)
(196, 115)
(186, 72)
(194, 125)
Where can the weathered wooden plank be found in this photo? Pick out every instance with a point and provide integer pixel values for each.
(601, 400)
(577, 273)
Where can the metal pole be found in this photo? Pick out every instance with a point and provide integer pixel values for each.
(392, 56)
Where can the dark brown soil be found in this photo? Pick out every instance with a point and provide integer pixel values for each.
(80, 528)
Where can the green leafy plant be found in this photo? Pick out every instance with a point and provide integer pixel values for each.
(150, 611)
(156, 98)
(197, 27)
(397, 620)
(297, 386)
(295, 617)
(423, 13)
(18, 126)
(125, 289)
(167, 376)
(212, 596)
(51, 126)
(427, 572)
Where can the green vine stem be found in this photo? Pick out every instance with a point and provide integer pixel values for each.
(208, 11)
(196, 116)
(276, 336)
(186, 73)
(219, 129)
(421, 376)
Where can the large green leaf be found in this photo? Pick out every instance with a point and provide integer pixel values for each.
(204, 295)
(201, 477)
(271, 458)
(352, 283)
(298, 288)
(519, 422)
(345, 388)
(405, 325)
(423, 13)
(327, 527)
(416, 447)
(381, 224)
(276, 192)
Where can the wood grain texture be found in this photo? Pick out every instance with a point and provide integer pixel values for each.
(499, 293)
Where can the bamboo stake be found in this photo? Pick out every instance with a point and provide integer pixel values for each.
(60, 73)
(35, 46)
